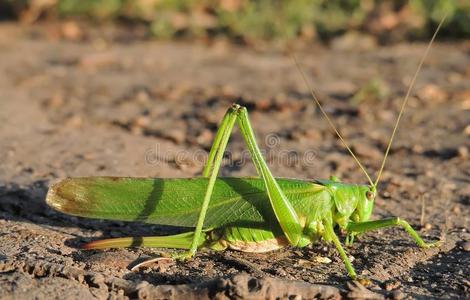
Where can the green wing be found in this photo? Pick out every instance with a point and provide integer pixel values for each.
(174, 201)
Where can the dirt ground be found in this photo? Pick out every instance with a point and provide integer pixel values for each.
(109, 104)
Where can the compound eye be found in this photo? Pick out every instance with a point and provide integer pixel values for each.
(369, 195)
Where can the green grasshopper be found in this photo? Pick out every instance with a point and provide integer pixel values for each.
(246, 214)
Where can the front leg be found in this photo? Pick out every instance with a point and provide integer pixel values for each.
(330, 235)
(359, 227)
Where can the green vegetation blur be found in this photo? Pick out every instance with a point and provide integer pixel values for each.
(263, 19)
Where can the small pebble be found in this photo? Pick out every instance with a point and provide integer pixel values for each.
(365, 150)
(175, 135)
(57, 100)
(313, 134)
(304, 262)
(281, 272)
(365, 282)
(142, 96)
(392, 285)
(71, 31)
(74, 121)
(386, 195)
(141, 121)
(322, 259)
(429, 173)
(262, 104)
(205, 138)
(433, 93)
(398, 295)
(466, 246)
(466, 131)
(417, 149)
(462, 151)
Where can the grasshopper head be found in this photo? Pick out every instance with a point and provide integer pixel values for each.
(352, 202)
(365, 204)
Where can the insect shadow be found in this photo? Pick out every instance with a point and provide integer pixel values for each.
(26, 203)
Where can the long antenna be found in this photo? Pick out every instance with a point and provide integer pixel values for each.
(408, 93)
(329, 120)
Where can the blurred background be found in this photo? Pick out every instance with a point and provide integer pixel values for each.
(249, 22)
(138, 88)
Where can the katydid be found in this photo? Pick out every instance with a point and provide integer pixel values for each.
(246, 214)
